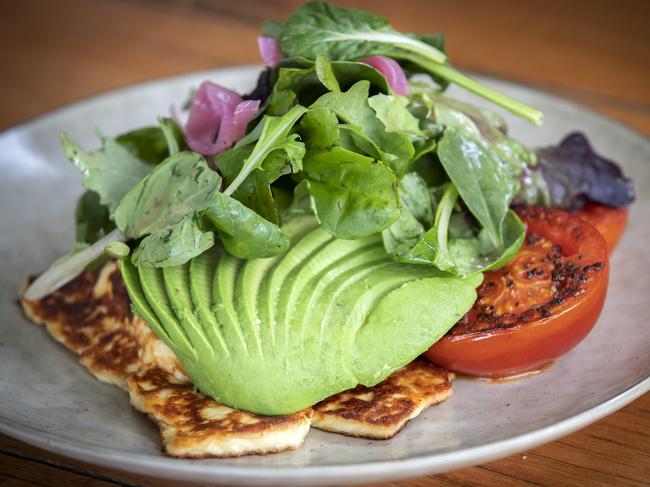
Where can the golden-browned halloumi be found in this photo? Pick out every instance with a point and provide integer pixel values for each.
(380, 412)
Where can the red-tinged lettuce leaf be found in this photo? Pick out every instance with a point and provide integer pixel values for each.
(575, 175)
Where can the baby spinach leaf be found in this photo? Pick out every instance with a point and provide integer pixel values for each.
(168, 208)
(406, 240)
(300, 80)
(110, 171)
(489, 129)
(514, 232)
(179, 186)
(398, 152)
(291, 85)
(243, 232)
(320, 28)
(326, 74)
(481, 178)
(256, 192)
(393, 112)
(284, 156)
(417, 197)
(349, 72)
(363, 128)
(174, 244)
(319, 128)
(353, 195)
(91, 218)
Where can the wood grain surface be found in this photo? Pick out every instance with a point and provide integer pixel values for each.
(594, 52)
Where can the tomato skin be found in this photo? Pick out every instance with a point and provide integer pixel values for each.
(610, 222)
(507, 351)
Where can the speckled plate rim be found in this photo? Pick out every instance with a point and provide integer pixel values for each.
(192, 470)
(416, 465)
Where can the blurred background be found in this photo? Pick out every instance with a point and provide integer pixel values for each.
(55, 52)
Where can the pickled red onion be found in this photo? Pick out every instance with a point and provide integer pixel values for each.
(217, 118)
(269, 50)
(391, 71)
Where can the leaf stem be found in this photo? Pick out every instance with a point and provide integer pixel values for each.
(397, 40)
(452, 75)
(443, 215)
(67, 268)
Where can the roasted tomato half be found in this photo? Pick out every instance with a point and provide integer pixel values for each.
(536, 308)
(610, 222)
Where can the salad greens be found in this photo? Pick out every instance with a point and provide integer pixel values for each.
(433, 176)
(109, 171)
(323, 29)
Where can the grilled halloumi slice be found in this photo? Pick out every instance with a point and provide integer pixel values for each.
(380, 412)
(91, 316)
(193, 425)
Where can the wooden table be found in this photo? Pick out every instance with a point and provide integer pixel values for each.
(594, 52)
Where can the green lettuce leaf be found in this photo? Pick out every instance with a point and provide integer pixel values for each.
(353, 195)
(244, 233)
(393, 112)
(173, 245)
(110, 171)
(91, 219)
(364, 128)
(179, 186)
(481, 178)
(453, 243)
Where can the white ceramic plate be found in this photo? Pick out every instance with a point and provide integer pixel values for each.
(49, 400)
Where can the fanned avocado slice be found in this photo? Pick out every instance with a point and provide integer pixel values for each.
(274, 336)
